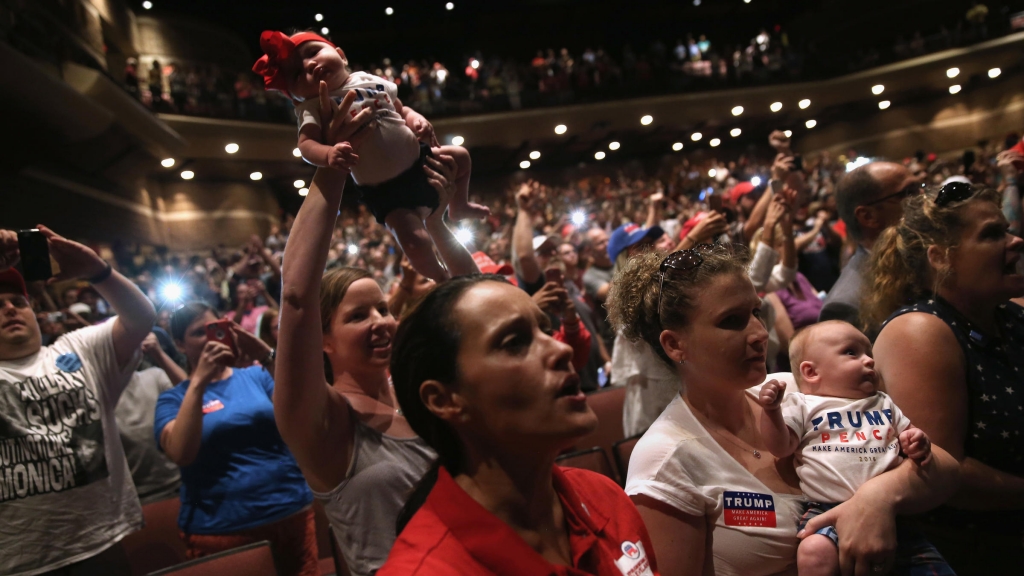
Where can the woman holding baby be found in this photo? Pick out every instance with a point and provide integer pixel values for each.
(713, 496)
(952, 356)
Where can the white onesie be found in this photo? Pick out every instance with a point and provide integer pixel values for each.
(391, 147)
(843, 442)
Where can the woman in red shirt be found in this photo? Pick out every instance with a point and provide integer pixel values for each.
(479, 377)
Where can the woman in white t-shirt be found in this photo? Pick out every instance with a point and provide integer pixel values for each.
(714, 499)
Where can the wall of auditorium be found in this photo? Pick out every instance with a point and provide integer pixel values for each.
(177, 39)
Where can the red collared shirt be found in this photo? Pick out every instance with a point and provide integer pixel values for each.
(452, 534)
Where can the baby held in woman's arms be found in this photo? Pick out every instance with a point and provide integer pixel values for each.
(393, 145)
(844, 432)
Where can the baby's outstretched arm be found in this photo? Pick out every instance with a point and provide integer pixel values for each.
(916, 445)
(340, 155)
(782, 441)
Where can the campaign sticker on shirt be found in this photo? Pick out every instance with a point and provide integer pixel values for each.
(749, 509)
(634, 561)
(212, 406)
(69, 362)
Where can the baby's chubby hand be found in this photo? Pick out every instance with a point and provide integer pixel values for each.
(342, 156)
(771, 394)
(916, 445)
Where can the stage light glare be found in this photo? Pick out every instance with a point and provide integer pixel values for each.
(994, 72)
(167, 162)
(715, 142)
(776, 106)
(737, 110)
(524, 164)
(231, 148)
(954, 89)
(303, 191)
(296, 152)
(535, 155)
(952, 72)
(677, 146)
(696, 136)
(877, 89)
(804, 104)
(458, 140)
(735, 132)
(389, 10)
(256, 176)
(613, 145)
(788, 133)
(188, 175)
(884, 104)
(599, 155)
(299, 183)
(646, 120)
(560, 129)
(319, 17)
(811, 123)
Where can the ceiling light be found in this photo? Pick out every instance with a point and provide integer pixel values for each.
(776, 106)
(458, 140)
(696, 136)
(449, 6)
(296, 152)
(256, 176)
(877, 89)
(646, 120)
(696, 2)
(613, 145)
(167, 162)
(303, 191)
(883, 104)
(952, 72)
(804, 104)
(524, 164)
(231, 148)
(534, 155)
(599, 155)
(188, 175)
(715, 142)
(737, 110)
(560, 129)
(994, 72)
(788, 133)
(735, 132)
(318, 17)
(299, 183)
(954, 89)
(712, 173)
(811, 123)
(746, 1)
(677, 146)
(147, 4)
(389, 11)
(325, 30)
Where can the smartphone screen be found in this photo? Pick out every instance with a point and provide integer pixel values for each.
(35, 255)
(554, 275)
(220, 331)
(715, 202)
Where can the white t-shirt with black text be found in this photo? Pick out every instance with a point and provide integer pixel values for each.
(843, 442)
(391, 147)
(678, 463)
(65, 490)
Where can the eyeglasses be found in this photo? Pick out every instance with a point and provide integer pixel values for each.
(682, 261)
(953, 192)
(911, 190)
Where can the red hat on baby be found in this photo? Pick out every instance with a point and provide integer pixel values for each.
(279, 48)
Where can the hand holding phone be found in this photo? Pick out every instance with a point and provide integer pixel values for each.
(220, 331)
(35, 255)
(715, 202)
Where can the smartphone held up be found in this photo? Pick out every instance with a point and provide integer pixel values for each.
(35, 256)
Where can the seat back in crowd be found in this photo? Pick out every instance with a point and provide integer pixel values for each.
(594, 459)
(340, 568)
(253, 559)
(158, 544)
(607, 404)
(622, 450)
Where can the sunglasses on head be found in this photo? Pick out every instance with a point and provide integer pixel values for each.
(953, 192)
(682, 261)
(911, 190)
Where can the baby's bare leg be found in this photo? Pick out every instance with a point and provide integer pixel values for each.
(460, 207)
(407, 227)
(817, 555)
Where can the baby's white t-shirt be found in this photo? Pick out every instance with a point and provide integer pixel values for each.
(843, 442)
(678, 463)
(391, 147)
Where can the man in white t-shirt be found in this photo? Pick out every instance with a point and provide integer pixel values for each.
(66, 494)
(843, 430)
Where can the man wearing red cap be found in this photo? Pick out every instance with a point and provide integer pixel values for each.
(66, 494)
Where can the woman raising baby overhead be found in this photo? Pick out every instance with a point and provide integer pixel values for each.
(388, 171)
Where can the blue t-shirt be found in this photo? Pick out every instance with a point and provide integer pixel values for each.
(244, 475)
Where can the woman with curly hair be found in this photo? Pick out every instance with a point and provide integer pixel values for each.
(951, 355)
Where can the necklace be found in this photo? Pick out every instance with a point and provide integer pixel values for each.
(718, 433)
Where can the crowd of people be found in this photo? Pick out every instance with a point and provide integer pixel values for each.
(494, 82)
(316, 363)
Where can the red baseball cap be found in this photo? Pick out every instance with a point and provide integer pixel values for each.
(487, 266)
(739, 191)
(12, 277)
(691, 224)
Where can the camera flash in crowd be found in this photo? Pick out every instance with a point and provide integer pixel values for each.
(578, 218)
(171, 292)
(353, 249)
(464, 236)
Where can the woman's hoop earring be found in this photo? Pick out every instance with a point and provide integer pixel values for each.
(682, 360)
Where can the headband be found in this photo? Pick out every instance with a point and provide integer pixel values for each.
(278, 48)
